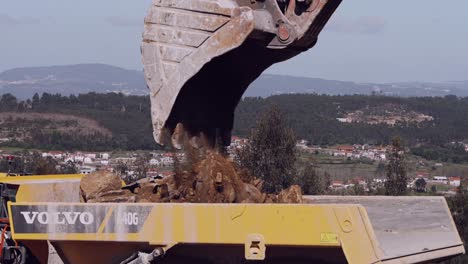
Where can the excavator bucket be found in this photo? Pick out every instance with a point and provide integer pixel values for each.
(200, 56)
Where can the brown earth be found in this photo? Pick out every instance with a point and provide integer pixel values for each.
(100, 186)
(215, 179)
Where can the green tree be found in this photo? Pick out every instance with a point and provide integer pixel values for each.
(397, 179)
(37, 165)
(8, 102)
(380, 170)
(459, 207)
(358, 189)
(121, 168)
(421, 185)
(271, 151)
(36, 100)
(69, 168)
(312, 183)
(327, 179)
(370, 185)
(141, 166)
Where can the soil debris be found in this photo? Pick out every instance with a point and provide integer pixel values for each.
(214, 179)
(96, 184)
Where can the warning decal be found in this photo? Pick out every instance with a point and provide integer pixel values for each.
(328, 238)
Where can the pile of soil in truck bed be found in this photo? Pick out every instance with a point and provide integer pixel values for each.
(214, 179)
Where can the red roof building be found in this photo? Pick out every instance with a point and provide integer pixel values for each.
(345, 148)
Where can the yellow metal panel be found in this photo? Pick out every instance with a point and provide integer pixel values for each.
(39, 178)
(46, 188)
(228, 224)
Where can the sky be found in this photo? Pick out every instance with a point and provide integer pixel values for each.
(365, 41)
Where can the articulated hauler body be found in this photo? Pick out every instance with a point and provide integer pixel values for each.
(327, 229)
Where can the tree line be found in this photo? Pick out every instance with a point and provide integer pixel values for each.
(32, 163)
(312, 117)
(127, 117)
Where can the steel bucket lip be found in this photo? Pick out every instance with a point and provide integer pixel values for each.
(168, 80)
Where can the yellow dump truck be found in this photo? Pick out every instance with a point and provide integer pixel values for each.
(43, 210)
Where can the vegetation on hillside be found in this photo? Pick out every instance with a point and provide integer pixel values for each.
(315, 118)
(126, 117)
(312, 117)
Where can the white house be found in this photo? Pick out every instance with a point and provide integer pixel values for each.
(455, 181)
(379, 180)
(368, 154)
(339, 154)
(90, 155)
(337, 185)
(105, 156)
(167, 161)
(77, 158)
(383, 156)
(440, 179)
(302, 144)
(154, 162)
(57, 154)
(345, 120)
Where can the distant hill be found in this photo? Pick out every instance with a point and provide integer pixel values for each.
(268, 85)
(72, 79)
(100, 78)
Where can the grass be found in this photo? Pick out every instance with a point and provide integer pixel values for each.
(341, 168)
(16, 149)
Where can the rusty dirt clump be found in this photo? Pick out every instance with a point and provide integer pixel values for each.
(102, 187)
(213, 179)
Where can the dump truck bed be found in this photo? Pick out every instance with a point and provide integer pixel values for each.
(327, 230)
(408, 229)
